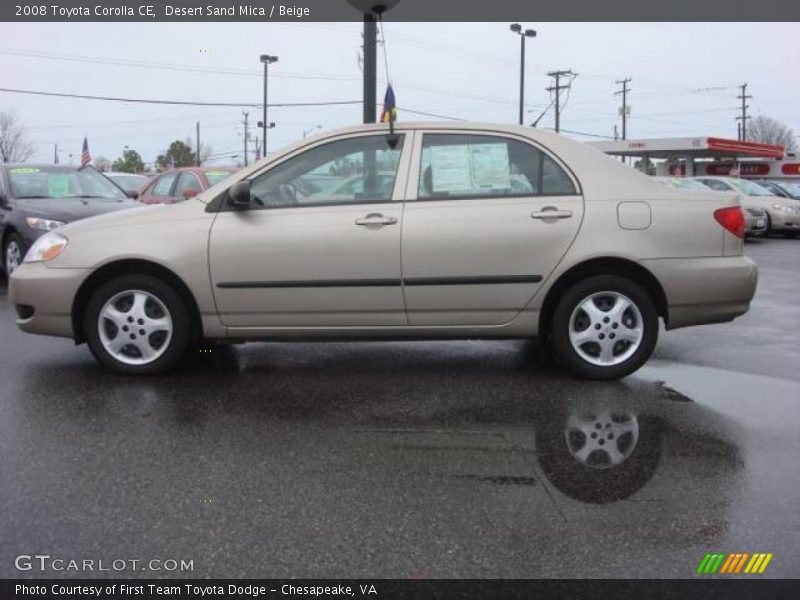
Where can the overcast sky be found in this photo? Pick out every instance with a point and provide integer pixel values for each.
(684, 77)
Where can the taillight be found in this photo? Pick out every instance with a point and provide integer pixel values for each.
(732, 219)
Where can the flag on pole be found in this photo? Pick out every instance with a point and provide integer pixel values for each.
(86, 158)
(389, 113)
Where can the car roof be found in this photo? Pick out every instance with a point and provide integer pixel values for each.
(125, 173)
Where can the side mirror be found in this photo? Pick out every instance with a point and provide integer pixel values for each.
(133, 195)
(189, 194)
(239, 194)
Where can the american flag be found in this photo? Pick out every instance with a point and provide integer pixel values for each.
(86, 158)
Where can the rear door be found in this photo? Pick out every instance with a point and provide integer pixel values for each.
(493, 216)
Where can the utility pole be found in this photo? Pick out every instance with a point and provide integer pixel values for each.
(557, 75)
(743, 97)
(370, 66)
(197, 151)
(624, 93)
(246, 135)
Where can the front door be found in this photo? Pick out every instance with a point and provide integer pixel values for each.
(492, 218)
(320, 246)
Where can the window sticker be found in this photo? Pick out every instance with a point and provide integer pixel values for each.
(450, 169)
(490, 167)
(470, 168)
(25, 170)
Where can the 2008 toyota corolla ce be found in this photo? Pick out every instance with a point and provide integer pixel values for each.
(432, 231)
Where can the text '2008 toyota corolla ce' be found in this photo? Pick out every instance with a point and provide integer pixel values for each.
(431, 231)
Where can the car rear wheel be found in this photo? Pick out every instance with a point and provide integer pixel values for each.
(604, 327)
(137, 324)
(12, 253)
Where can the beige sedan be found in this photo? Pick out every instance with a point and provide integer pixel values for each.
(486, 231)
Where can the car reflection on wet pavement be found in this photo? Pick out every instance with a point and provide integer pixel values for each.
(436, 459)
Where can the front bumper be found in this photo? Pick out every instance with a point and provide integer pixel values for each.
(783, 221)
(43, 298)
(705, 290)
(755, 224)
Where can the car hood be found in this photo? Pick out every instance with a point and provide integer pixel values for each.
(141, 214)
(70, 209)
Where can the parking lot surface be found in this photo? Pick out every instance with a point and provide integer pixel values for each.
(436, 459)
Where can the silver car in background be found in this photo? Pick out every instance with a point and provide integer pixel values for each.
(484, 231)
(783, 215)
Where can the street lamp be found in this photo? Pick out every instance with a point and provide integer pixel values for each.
(267, 60)
(307, 131)
(517, 28)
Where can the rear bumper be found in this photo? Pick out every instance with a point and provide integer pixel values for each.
(43, 298)
(705, 290)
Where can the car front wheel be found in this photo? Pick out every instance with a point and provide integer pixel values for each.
(137, 324)
(604, 327)
(12, 253)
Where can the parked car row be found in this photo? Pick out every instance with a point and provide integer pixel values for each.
(768, 206)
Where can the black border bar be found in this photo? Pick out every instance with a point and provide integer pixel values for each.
(419, 589)
(407, 10)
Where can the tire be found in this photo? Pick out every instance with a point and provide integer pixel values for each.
(590, 472)
(130, 305)
(600, 345)
(12, 252)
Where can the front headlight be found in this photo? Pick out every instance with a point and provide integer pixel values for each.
(783, 208)
(44, 224)
(46, 247)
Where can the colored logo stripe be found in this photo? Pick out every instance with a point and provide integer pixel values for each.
(734, 563)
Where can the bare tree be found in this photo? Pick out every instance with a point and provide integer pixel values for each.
(14, 143)
(767, 130)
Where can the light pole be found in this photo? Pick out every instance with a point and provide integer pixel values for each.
(267, 60)
(517, 28)
(307, 131)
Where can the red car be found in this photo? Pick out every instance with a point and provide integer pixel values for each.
(180, 184)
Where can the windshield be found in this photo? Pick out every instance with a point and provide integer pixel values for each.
(684, 184)
(749, 188)
(129, 183)
(792, 188)
(215, 177)
(54, 182)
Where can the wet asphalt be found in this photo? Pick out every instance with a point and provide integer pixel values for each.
(439, 459)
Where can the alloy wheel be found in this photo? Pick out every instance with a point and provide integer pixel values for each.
(603, 440)
(606, 328)
(135, 327)
(13, 257)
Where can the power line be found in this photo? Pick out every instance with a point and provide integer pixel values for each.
(174, 102)
(121, 62)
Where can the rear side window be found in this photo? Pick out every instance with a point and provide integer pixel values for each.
(163, 186)
(480, 166)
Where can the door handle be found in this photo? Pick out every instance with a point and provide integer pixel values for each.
(551, 212)
(376, 219)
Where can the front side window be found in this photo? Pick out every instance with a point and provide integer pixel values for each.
(478, 166)
(356, 170)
